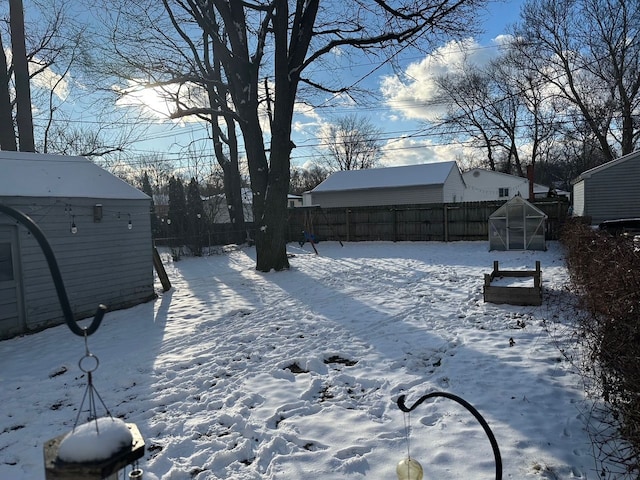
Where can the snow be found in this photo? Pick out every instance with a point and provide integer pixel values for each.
(26, 174)
(95, 440)
(403, 176)
(237, 374)
(527, 282)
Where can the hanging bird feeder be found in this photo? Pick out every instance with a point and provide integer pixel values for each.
(410, 469)
(102, 447)
(96, 469)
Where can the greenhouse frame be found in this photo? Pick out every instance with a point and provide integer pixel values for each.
(517, 225)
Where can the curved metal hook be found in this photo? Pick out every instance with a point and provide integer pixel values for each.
(494, 444)
(55, 274)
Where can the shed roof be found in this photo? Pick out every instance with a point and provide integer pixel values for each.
(45, 175)
(404, 176)
(630, 156)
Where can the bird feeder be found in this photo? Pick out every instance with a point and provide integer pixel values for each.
(410, 469)
(104, 469)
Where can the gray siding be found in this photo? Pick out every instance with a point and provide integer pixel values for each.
(379, 196)
(104, 262)
(613, 192)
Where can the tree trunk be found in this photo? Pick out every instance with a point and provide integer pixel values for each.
(235, 205)
(21, 73)
(7, 132)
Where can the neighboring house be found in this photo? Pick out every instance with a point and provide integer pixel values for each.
(217, 210)
(609, 191)
(487, 185)
(98, 227)
(411, 184)
(294, 201)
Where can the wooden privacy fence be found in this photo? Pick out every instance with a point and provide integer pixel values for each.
(430, 222)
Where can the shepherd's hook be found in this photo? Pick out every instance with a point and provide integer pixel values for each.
(55, 274)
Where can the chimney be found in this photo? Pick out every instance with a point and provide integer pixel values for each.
(530, 177)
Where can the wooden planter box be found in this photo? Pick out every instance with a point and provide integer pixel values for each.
(513, 295)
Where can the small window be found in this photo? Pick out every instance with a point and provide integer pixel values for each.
(6, 263)
(503, 192)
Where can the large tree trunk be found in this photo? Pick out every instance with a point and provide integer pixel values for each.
(21, 73)
(233, 195)
(7, 132)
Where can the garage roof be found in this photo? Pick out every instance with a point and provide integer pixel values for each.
(404, 176)
(24, 174)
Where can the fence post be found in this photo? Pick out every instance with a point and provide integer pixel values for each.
(347, 222)
(446, 222)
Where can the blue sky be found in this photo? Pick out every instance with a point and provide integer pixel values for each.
(396, 111)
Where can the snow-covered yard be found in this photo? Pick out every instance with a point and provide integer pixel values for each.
(235, 374)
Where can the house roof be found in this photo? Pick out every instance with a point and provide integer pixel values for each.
(45, 175)
(405, 176)
(630, 156)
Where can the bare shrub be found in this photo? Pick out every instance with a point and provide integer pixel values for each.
(605, 273)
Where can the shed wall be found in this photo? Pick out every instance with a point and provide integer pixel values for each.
(379, 196)
(613, 192)
(103, 263)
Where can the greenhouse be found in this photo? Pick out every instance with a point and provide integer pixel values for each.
(517, 225)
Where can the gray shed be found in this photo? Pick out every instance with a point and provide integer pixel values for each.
(411, 184)
(609, 191)
(517, 225)
(99, 230)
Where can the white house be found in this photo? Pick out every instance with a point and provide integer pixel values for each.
(294, 201)
(486, 185)
(412, 184)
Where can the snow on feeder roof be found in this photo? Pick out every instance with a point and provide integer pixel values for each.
(95, 440)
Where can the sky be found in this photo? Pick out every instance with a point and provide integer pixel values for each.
(405, 136)
(396, 108)
(240, 375)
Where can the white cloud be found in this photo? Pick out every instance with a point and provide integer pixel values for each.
(413, 96)
(154, 101)
(412, 151)
(47, 79)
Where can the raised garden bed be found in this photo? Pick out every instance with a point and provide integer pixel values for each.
(515, 287)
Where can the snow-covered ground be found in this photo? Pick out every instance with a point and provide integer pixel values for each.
(236, 374)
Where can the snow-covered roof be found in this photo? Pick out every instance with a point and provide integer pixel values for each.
(405, 176)
(45, 175)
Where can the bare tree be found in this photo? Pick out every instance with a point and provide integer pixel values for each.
(54, 47)
(589, 51)
(264, 49)
(303, 179)
(352, 142)
(504, 108)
